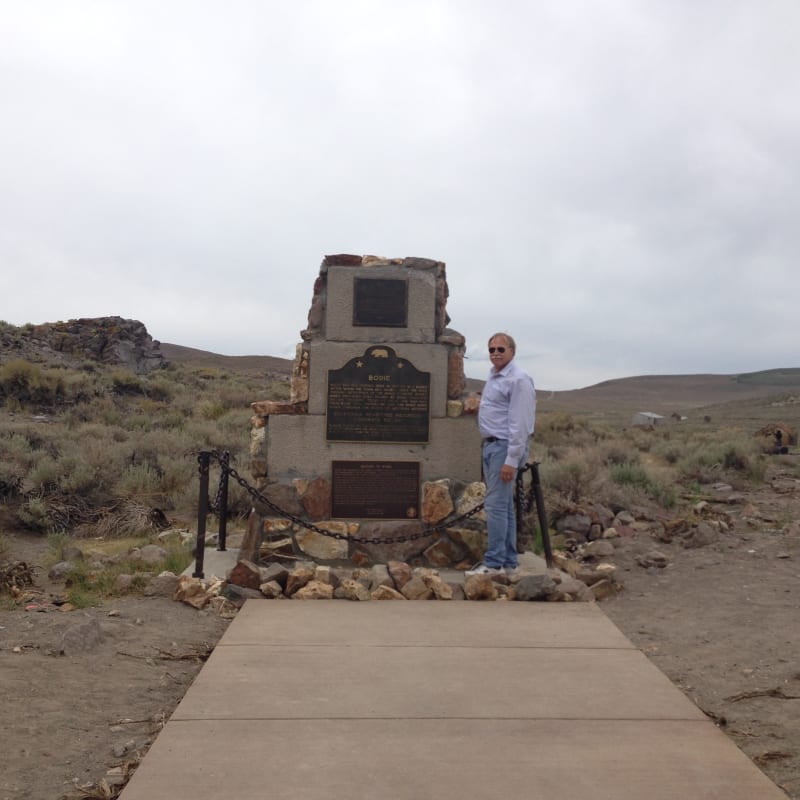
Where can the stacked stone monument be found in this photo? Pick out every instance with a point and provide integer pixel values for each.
(378, 440)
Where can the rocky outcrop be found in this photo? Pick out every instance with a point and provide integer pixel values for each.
(111, 341)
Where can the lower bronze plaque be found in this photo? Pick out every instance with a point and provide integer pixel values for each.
(375, 489)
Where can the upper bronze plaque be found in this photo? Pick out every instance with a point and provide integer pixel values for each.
(380, 302)
(378, 397)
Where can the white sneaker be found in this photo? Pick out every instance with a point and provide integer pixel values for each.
(483, 569)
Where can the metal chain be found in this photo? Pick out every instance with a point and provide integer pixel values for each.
(224, 459)
(525, 499)
(410, 537)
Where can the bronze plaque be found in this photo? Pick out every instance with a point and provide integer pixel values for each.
(380, 302)
(375, 489)
(378, 397)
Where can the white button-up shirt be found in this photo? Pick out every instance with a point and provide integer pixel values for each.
(508, 409)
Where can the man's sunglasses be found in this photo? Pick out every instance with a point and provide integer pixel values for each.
(497, 349)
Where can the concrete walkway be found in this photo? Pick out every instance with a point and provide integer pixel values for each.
(411, 700)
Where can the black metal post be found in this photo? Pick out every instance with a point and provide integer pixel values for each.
(542, 514)
(203, 459)
(223, 501)
(518, 508)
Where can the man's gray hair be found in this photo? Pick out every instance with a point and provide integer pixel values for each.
(509, 340)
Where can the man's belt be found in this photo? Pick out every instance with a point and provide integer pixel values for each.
(491, 439)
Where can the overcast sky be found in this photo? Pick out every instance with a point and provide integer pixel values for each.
(614, 182)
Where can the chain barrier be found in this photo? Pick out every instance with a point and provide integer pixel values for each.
(256, 495)
(224, 459)
(525, 500)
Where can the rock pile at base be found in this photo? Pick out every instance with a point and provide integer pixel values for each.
(398, 580)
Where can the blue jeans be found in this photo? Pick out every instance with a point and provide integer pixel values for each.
(501, 519)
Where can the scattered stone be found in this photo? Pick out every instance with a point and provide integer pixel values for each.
(534, 587)
(480, 587)
(700, 536)
(437, 503)
(379, 576)
(569, 588)
(400, 572)
(598, 549)
(81, 638)
(606, 570)
(246, 574)
(349, 589)
(386, 593)
(60, 571)
(444, 552)
(298, 578)
(274, 572)
(572, 524)
(314, 590)
(653, 558)
(150, 554)
(603, 589)
(124, 583)
(272, 590)
(440, 588)
(72, 553)
(163, 585)
(417, 589)
(323, 574)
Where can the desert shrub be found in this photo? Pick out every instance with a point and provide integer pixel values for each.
(236, 397)
(77, 476)
(16, 447)
(140, 481)
(57, 541)
(630, 473)
(708, 458)
(234, 428)
(642, 439)
(617, 453)
(572, 479)
(124, 382)
(633, 475)
(10, 481)
(669, 452)
(276, 390)
(29, 385)
(210, 409)
(88, 585)
(45, 474)
(160, 389)
(33, 515)
(554, 429)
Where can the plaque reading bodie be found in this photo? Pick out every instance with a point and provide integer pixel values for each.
(380, 302)
(375, 489)
(378, 397)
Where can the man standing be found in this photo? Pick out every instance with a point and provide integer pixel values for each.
(505, 419)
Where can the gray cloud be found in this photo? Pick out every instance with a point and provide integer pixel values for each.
(614, 183)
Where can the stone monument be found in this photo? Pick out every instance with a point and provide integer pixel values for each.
(378, 442)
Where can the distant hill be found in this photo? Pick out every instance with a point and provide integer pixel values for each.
(663, 394)
(263, 365)
(114, 341)
(668, 394)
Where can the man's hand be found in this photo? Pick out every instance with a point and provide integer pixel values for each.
(507, 473)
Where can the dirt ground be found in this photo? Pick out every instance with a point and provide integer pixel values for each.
(720, 621)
